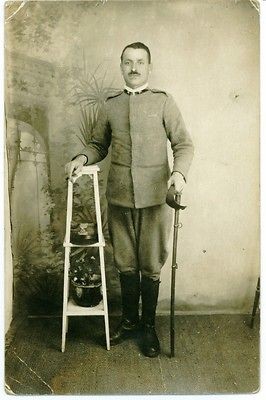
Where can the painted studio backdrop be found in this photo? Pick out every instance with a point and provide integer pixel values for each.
(62, 60)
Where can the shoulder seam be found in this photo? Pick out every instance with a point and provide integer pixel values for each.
(159, 91)
(115, 95)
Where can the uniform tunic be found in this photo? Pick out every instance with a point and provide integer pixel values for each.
(137, 128)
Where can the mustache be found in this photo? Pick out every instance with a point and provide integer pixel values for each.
(133, 73)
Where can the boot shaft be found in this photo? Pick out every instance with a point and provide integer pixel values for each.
(130, 294)
(149, 295)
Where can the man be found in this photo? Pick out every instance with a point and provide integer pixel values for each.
(137, 122)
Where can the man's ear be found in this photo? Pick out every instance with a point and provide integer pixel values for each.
(150, 67)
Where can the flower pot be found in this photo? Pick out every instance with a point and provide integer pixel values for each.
(86, 295)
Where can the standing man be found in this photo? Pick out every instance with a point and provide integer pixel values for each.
(137, 122)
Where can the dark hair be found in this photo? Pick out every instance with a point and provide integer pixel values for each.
(137, 45)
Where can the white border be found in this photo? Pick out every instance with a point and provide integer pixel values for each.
(262, 393)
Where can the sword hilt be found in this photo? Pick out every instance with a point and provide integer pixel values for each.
(173, 199)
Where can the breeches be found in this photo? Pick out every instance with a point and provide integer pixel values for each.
(140, 238)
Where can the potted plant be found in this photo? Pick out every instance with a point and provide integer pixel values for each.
(85, 277)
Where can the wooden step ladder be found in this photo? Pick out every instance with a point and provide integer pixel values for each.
(70, 308)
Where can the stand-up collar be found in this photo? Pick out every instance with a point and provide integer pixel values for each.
(138, 90)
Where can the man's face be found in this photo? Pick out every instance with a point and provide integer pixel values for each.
(135, 67)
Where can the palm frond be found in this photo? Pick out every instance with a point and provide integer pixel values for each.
(87, 124)
(103, 80)
(90, 88)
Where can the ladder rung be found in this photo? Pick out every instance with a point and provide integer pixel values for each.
(97, 244)
(74, 309)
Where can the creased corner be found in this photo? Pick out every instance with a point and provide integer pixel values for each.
(16, 11)
(255, 4)
(8, 389)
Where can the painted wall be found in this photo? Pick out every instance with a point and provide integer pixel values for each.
(206, 53)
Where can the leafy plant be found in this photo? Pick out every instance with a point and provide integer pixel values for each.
(87, 124)
(38, 270)
(26, 249)
(84, 263)
(90, 91)
(83, 204)
(90, 88)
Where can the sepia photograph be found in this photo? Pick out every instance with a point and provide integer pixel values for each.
(132, 197)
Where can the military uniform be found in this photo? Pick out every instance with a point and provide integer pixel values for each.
(137, 127)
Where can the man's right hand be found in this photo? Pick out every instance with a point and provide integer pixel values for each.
(75, 166)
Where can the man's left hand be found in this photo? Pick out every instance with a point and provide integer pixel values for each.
(177, 180)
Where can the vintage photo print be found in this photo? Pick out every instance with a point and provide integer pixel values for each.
(131, 191)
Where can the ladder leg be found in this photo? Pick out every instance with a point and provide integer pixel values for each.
(101, 253)
(107, 334)
(105, 304)
(65, 298)
(64, 323)
(65, 317)
(67, 263)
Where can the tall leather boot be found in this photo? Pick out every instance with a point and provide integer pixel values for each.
(149, 294)
(130, 293)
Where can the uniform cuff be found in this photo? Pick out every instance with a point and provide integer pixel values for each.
(180, 174)
(80, 155)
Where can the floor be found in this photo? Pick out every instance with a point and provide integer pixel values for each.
(214, 354)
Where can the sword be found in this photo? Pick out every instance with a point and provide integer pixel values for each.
(174, 201)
